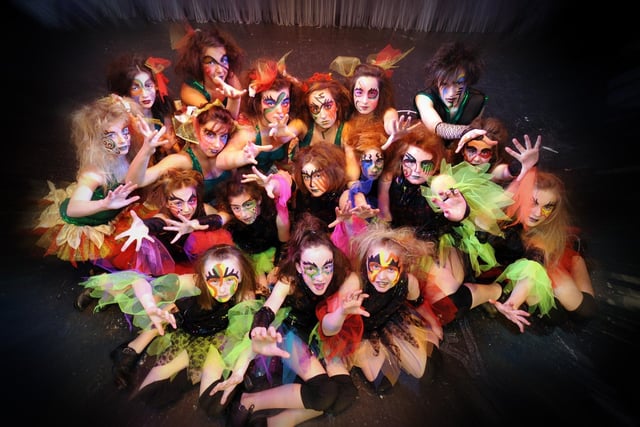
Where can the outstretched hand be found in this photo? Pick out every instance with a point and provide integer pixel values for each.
(250, 151)
(263, 180)
(136, 233)
(519, 317)
(527, 156)
(265, 341)
(119, 197)
(184, 226)
(227, 90)
(352, 303)
(399, 128)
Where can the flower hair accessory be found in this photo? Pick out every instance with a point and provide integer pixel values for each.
(157, 66)
(387, 58)
(264, 74)
(316, 77)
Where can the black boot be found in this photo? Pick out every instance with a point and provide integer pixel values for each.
(125, 361)
(160, 394)
(84, 300)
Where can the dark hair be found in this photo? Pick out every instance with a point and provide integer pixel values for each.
(340, 95)
(451, 58)
(120, 74)
(310, 231)
(385, 88)
(189, 57)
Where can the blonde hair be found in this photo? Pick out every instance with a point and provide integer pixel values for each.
(88, 125)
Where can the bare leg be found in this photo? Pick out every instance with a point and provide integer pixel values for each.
(158, 373)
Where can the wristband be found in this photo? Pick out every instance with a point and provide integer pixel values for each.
(263, 317)
(514, 168)
(155, 225)
(213, 221)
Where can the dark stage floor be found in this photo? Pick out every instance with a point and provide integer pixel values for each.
(57, 368)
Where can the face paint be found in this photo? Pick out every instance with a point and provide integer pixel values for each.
(215, 63)
(183, 201)
(244, 208)
(366, 94)
(314, 180)
(372, 163)
(213, 137)
(143, 90)
(477, 152)
(222, 278)
(451, 91)
(383, 269)
(544, 203)
(316, 268)
(323, 108)
(417, 165)
(116, 139)
(275, 104)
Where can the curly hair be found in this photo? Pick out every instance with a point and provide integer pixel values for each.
(339, 93)
(88, 125)
(189, 57)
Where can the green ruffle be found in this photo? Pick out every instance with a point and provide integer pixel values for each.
(534, 271)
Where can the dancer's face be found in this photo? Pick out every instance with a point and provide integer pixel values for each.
(451, 90)
(222, 277)
(323, 108)
(372, 163)
(383, 267)
(183, 201)
(544, 203)
(245, 208)
(417, 165)
(116, 138)
(143, 90)
(275, 104)
(316, 268)
(215, 63)
(366, 94)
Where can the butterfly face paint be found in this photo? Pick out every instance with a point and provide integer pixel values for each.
(222, 278)
(383, 269)
(183, 201)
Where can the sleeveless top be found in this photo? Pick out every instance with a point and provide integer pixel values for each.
(199, 87)
(266, 159)
(97, 218)
(306, 141)
(210, 184)
(473, 101)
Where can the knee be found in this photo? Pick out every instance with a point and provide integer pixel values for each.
(319, 393)
(346, 394)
